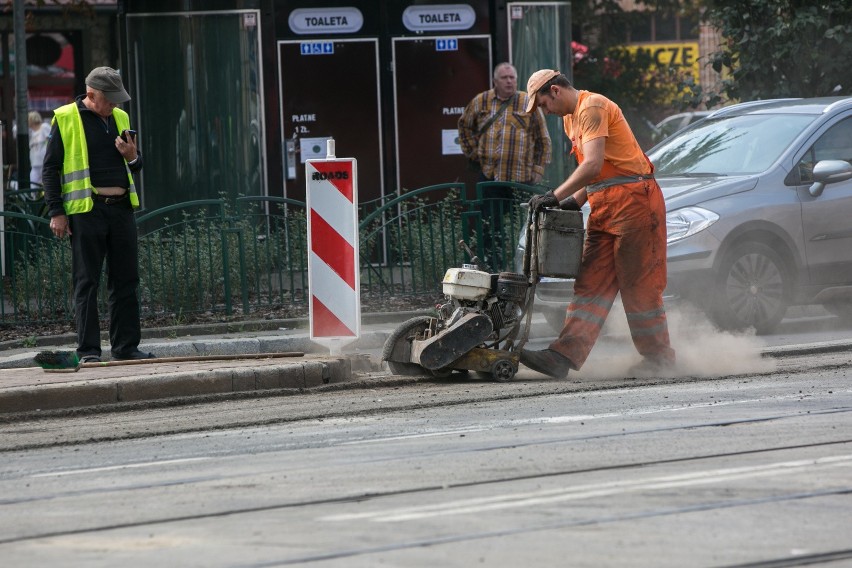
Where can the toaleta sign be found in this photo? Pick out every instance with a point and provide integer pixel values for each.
(346, 20)
(445, 17)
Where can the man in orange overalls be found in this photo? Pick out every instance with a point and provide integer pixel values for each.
(625, 249)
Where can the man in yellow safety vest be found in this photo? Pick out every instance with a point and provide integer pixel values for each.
(90, 194)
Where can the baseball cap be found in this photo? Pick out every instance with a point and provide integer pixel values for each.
(108, 80)
(536, 81)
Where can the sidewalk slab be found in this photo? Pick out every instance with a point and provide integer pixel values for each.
(32, 389)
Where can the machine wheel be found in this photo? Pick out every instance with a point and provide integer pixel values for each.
(752, 289)
(503, 370)
(397, 349)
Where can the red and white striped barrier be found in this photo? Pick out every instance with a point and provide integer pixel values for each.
(333, 268)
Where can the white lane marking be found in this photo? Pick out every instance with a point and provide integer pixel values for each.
(514, 422)
(418, 435)
(569, 418)
(550, 496)
(115, 467)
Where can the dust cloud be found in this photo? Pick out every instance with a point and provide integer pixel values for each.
(702, 350)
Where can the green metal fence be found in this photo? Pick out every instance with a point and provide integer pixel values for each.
(250, 254)
(36, 271)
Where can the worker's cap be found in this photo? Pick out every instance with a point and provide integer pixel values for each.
(108, 80)
(536, 82)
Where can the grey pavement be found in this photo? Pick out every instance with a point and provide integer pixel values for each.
(212, 361)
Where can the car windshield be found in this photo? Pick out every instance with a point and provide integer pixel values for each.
(732, 145)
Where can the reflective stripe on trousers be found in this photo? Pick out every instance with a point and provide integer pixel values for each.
(625, 251)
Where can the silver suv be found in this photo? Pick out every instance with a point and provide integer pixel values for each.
(759, 213)
(759, 210)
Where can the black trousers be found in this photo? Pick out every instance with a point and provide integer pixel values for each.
(498, 201)
(107, 232)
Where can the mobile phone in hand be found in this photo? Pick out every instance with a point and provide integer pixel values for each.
(130, 133)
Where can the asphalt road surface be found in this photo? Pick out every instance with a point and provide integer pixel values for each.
(748, 463)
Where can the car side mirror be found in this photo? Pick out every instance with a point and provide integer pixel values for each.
(829, 171)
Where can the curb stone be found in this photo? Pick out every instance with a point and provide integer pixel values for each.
(92, 391)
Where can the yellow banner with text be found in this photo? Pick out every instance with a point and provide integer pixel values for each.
(678, 54)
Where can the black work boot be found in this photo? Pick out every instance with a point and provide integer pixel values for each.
(548, 362)
(132, 356)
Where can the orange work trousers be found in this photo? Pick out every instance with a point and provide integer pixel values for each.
(625, 251)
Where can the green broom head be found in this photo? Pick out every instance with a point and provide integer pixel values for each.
(57, 359)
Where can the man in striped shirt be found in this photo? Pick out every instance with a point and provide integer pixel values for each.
(508, 144)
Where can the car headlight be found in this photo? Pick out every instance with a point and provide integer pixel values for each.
(685, 222)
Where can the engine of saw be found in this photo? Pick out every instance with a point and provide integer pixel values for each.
(484, 321)
(475, 329)
(500, 297)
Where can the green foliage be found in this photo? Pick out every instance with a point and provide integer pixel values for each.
(199, 261)
(781, 48)
(40, 283)
(644, 92)
(605, 23)
(180, 263)
(211, 257)
(203, 261)
(771, 48)
(275, 249)
(425, 237)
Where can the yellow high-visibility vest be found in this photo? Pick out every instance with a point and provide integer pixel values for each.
(76, 181)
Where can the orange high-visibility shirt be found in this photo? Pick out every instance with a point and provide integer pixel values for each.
(597, 116)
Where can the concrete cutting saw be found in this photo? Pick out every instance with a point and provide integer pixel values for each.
(485, 319)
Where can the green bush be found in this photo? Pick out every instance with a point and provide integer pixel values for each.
(202, 262)
(425, 236)
(211, 257)
(40, 284)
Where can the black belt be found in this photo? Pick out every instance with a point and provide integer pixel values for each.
(110, 199)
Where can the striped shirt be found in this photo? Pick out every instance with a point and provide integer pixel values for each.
(516, 146)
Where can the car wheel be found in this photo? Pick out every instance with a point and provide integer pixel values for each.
(752, 289)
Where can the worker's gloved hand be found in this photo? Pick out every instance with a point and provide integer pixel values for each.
(569, 204)
(541, 201)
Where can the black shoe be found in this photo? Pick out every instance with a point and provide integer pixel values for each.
(90, 359)
(133, 355)
(547, 362)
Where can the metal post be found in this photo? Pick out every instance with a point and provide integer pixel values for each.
(21, 96)
(241, 253)
(2, 203)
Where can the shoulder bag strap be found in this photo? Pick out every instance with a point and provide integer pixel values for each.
(495, 116)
